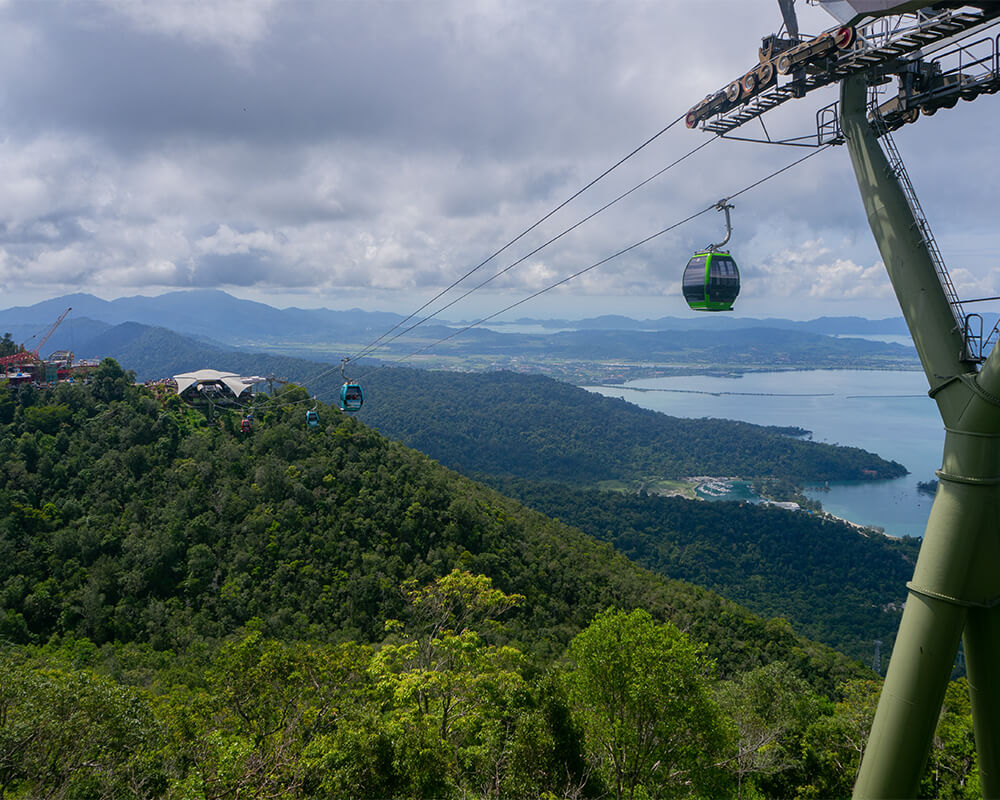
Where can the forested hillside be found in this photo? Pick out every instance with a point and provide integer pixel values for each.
(510, 424)
(831, 583)
(128, 520)
(530, 426)
(190, 611)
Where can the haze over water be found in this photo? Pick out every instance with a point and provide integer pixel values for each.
(885, 412)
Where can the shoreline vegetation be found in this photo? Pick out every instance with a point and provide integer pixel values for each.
(714, 488)
(708, 371)
(531, 426)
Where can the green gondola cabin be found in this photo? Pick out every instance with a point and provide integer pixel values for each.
(711, 281)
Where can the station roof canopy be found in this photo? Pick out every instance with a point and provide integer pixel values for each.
(212, 377)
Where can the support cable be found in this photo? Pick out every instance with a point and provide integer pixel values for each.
(542, 246)
(597, 264)
(575, 275)
(520, 236)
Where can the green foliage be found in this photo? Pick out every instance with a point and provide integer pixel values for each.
(47, 419)
(830, 582)
(75, 734)
(8, 346)
(951, 771)
(135, 521)
(398, 629)
(441, 716)
(642, 692)
(458, 601)
(529, 426)
(266, 706)
(7, 404)
(835, 743)
(632, 712)
(771, 709)
(463, 695)
(110, 381)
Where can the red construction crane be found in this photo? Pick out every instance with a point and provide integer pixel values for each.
(28, 356)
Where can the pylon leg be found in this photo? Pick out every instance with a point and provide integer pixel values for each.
(982, 662)
(912, 694)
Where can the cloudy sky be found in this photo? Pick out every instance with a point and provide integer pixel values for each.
(357, 153)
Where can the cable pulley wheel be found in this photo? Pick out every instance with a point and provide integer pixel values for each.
(765, 74)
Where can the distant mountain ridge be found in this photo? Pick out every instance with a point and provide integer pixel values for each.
(155, 352)
(218, 315)
(204, 313)
(218, 319)
(777, 346)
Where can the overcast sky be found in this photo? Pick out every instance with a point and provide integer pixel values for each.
(365, 154)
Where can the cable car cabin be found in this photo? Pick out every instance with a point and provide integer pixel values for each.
(711, 281)
(312, 419)
(351, 397)
(246, 425)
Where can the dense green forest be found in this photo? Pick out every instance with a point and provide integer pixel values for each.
(831, 583)
(530, 426)
(192, 612)
(126, 519)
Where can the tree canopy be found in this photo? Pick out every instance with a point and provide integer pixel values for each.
(529, 426)
(191, 611)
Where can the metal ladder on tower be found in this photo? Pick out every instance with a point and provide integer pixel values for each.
(973, 339)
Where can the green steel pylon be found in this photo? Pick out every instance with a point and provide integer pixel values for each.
(955, 591)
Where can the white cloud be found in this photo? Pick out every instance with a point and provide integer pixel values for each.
(364, 147)
(226, 241)
(230, 24)
(159, 273)
(812, 270)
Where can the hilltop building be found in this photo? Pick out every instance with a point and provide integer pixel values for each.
(210, 384)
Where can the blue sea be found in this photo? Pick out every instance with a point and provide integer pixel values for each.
(885, 412)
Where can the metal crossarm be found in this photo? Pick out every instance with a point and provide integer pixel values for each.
(878, 46)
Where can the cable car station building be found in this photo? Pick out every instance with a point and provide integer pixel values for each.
(214, 386)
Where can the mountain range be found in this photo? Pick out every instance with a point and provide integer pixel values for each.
(222, 321)
(205, 314)
(222, 317)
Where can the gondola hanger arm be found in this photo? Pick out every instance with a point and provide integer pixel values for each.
(723, 205)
